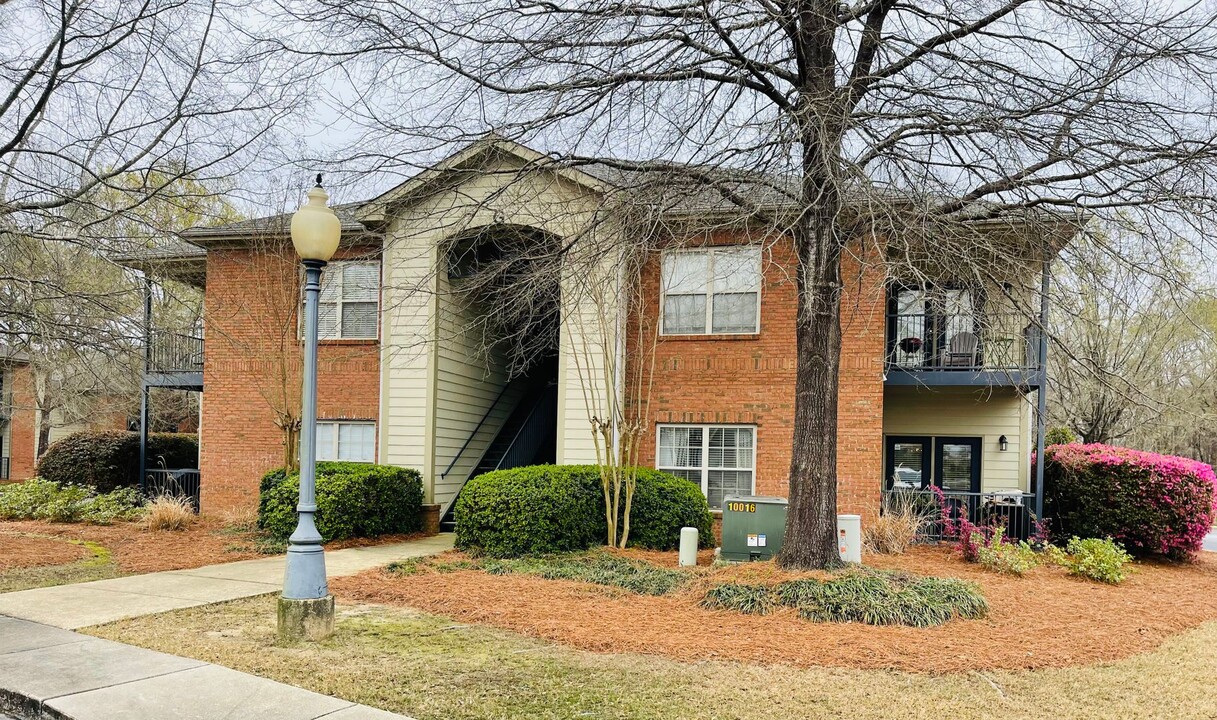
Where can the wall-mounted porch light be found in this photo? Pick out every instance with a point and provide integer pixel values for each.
(1003, 444)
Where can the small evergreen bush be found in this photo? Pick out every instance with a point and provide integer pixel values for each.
(1002, 556)
(1059, 435)
(41, 499)
(1098, 559)
(353, 500)
(545, 509)
(106, 460)
(1151, 504)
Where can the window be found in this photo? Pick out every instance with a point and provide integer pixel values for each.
(719, 458)
(349, 308)
(711, 291)
(355, 441)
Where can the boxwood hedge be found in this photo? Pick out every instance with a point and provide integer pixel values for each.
(353, 500)
(105, 460)
(560, 508)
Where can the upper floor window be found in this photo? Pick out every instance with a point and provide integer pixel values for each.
(711, 291)
(354, 441)
(350, 301)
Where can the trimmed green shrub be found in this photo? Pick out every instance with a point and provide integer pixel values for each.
(353, 500)
(106, 460)
(1098, 559)
(599, 568)
(535, 510)
(544, 509)
(41, 499)
(1151, 504)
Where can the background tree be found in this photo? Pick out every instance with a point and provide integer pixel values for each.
(896, 119)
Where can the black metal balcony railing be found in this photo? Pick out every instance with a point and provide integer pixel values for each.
(976, 342)
(1011, 510)
(4, 468)
(185, 483)
(174, 352)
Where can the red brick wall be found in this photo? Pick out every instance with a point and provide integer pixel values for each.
(253, 364)
(749, 379)
(21, 426)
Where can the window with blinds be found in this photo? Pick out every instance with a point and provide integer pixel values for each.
(715, 291)
(719, 458)
(353, 441)
(350, 301)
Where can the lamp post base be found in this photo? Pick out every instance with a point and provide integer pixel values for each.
(306, 619)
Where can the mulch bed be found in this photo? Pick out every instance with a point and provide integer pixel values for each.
(136, 550)
(18, 551)
(1046, 619)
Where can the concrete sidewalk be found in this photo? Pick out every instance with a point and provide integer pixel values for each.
(47, 672)
(92, 603)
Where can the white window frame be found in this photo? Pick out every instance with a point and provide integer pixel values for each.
(332, 454)
(334, 270)
(705, 452)
(712, 252)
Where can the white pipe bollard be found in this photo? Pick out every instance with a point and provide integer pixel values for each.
(688, 546)
(849, 537)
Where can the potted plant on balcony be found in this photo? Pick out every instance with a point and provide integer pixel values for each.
(910, 345)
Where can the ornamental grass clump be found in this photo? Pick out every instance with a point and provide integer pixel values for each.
(905, 517)
(873, 597)
(598, 568)
(1151, 504)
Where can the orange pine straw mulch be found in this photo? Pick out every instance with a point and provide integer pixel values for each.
(22, 552)
(1045, 619)
(136, 550)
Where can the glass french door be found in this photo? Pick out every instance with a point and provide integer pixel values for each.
(914, 462)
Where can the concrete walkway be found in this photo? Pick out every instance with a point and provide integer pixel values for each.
(101, 601)
(47, 672)
(1210, 541)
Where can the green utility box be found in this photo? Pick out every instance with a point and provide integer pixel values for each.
(753, 527)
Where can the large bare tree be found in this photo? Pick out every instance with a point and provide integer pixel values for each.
(116, 119)
(881, 119)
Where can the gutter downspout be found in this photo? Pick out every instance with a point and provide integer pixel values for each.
(1041, 415)
(143, 385)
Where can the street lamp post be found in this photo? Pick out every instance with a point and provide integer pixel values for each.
(306, 607)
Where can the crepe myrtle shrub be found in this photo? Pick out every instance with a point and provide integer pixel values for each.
(542, 509)
(109, 459)
(353, 500)
(1149, 503)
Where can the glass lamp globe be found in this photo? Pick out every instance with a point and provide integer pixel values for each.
(315, 228)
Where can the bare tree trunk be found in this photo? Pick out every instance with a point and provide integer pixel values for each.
(44, 430)
(810, 540)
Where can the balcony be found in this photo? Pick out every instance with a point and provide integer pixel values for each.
(976, 349)
(174, 361)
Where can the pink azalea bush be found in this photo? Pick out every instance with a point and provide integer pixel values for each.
(1151, 504)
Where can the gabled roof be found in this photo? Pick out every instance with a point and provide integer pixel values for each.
(472, 158)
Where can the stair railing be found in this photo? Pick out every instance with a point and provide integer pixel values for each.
(456, 458)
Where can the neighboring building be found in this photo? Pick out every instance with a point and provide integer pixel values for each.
(17, 424)
(938, 380)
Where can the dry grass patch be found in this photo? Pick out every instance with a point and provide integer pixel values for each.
(432, 668)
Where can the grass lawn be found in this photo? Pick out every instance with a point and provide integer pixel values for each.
(431, 667)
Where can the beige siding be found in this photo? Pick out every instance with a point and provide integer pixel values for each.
(467, 383)
(956, 412)
(436, 387)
